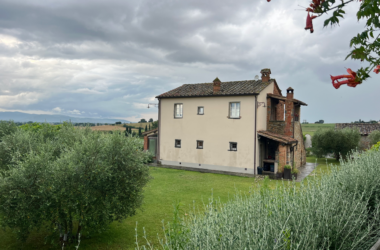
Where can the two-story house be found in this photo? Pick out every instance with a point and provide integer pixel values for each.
(229, 127)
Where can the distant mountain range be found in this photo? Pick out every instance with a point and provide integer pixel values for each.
(24, 117)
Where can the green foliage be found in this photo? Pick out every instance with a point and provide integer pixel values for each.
(308, 152)
(287, 167)
(6, 128)
(340, 210)
(151, 120)
(365, 46)
(295, 171)
(376, 147)
(142, 121)
(58, 178)
(374, 137)
(155, 124)
(146, 128)
(335, 141)
(117, 122)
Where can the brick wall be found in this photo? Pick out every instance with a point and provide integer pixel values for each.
(289, 108)
(282, 156)
(145, 142)
(276, 127)
(299, 151)
(280, 109)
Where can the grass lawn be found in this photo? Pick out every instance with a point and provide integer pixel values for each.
(322, 166)
(311, 128)
(168, 187)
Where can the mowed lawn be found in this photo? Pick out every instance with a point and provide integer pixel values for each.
(167, 188)
(311, 128)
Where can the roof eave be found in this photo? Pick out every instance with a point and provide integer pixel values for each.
(251, 94)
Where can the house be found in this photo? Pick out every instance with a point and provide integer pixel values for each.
(229, 127)
(364, 129)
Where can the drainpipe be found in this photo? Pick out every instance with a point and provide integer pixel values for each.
(254, 161)
(159, 132)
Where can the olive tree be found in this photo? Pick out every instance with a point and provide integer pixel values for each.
(6, 128)
(374, 137)
(337, 142)
(79, 182)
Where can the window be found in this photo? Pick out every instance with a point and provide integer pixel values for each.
(199, 144)
(177, 143)
(178, 110)
(234, 110)
(233, 146)
(200, 110)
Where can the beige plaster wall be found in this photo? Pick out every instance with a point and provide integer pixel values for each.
(216, 131)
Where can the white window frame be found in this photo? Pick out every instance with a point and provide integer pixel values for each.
(234, 110)
(203, 110)
(178, 107)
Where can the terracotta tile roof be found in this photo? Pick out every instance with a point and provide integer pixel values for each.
(277, 137)
(152, 131)
(364, 128)
(248, 87)
(284, 99)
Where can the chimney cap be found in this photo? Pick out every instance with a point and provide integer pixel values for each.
(267, 70)
(290, 88)
(216, 80)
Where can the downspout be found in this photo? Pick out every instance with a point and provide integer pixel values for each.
(254, 161)
(159, 132)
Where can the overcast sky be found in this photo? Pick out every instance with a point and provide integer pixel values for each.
(111, 58)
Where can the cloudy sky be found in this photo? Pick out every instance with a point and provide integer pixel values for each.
(111, 58)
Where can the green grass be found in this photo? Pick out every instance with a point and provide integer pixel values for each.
(311, 128)
(322, 167)
(168, 187)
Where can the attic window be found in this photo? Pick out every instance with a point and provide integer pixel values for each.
(200, 110)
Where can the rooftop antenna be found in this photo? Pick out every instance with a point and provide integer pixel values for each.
(256, 77)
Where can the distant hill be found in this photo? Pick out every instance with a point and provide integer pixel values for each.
(24, 117)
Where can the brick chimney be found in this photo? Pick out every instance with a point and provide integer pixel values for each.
(216, 85)
(289, 113)
(265, 75)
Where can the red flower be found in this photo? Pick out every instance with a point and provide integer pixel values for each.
(377, 69)
(351, 80)
(309, 22)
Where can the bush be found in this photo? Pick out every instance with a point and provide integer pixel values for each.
(7, 128)
(374, 137)
(340, 210)
(335, 142)
(76, 177)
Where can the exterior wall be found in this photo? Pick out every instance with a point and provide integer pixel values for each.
(145, 142)
(280, 111)
(282, 157)
(365, 142)
(214, 128)
(289, 108)
(262, 118)
(277, 127)
(299, 151)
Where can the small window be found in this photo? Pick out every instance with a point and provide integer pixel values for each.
(200, 144)
(234, 109)
(233, 146)
(177, 143)
(178, 108)
(200, 110)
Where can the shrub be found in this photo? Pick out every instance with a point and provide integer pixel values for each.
(295, 171)
(374, 137)
(287, 167)
(6, 128)
(339, 210)
(335, 142)
(78, 177)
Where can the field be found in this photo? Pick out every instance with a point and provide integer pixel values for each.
(311, 128)
(168, 187)
(119, 127)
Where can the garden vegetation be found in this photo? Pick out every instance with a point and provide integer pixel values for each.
(337, 142)
(339, 210)
(68, 180)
